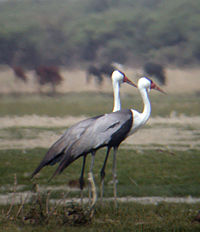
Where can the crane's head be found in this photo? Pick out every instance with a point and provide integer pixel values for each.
(147, 83)
(120, 77)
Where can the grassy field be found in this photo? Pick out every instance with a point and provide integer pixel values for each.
(127, 217)
(153, 169)
(144, 173)
(90, 104)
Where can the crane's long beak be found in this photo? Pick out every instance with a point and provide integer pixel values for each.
(154, 86)
(129, 81)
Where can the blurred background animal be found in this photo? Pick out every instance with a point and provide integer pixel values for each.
(48, 75)
(155, 70)
(19, 73)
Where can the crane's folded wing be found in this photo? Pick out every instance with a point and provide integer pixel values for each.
(107, 130)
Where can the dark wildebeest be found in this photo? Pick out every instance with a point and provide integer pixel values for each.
(99, 72)
(48, 75)
(94, 71)
(19, 73)
(107, 69)
(155, 70)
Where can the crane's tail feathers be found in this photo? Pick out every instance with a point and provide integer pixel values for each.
(47, 161)
(63, 164)
(41, 165)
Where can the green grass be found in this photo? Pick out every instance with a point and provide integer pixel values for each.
(140, 173)
(94, 103)
(13, 133)
(148, 173)
(127, 217)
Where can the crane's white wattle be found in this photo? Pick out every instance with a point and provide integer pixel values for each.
(116, 92)
(117, 79)
(139, 119)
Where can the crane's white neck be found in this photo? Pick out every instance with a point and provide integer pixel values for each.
(116, 89)
(147, 106)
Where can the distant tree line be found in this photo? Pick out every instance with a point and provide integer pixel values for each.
(66, 32)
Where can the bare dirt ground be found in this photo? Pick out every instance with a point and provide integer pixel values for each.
(18, 198)
(171, 133)
(178, 81)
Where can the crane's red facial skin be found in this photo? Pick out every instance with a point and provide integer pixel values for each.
(129, 81)
(154, 86)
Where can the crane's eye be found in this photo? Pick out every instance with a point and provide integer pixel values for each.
(153, 85)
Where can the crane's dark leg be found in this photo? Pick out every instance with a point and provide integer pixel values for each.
(115, 175)
(92, 190)
(81, 180)
(102, 173)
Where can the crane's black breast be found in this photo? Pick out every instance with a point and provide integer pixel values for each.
(125, 127)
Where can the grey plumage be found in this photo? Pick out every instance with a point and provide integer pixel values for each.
(86, 136)
(57, 150)
(106, 130)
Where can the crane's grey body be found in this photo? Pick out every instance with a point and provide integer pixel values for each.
(57, 150)
(87, 136)
(106, 130)
(91, 134)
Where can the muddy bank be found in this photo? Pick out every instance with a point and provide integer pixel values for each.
(25, 197)
(173, 132)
